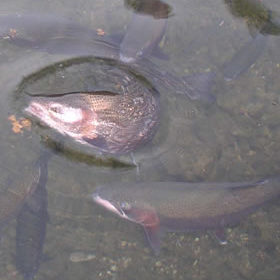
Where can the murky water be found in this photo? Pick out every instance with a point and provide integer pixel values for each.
(234, 139)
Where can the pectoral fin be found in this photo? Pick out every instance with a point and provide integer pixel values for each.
(153, 235)
(149, 219)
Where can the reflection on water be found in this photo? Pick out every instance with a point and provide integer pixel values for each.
(236, 138)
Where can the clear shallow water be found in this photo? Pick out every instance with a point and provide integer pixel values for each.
(233, 140)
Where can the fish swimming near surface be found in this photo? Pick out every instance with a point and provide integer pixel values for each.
(181, 206)
(31, 225)
(106, 121)
(145, 31)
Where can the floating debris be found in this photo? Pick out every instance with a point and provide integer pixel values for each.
(18, 125)
(81, 257)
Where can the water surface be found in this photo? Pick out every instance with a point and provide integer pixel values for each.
(234, 139)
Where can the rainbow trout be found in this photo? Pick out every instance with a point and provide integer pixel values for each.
(31, 225)
(176, 206)
(106, 121)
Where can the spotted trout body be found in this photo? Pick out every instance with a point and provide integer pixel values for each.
(114, 123)
(181, 206)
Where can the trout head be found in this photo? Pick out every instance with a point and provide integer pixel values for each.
(126, 207)
(66, 114)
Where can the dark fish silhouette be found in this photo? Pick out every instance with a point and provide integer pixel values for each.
(109, 122)
(154, 8)
(142, 37)
(16, 191)
(31, 225)
(145, 30)
(174, 206)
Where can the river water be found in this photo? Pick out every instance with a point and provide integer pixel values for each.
(235, 138)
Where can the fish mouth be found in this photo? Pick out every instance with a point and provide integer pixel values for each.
(106, 204)
(35, 109)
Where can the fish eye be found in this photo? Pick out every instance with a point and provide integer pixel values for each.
(56, 108)
(125, 206)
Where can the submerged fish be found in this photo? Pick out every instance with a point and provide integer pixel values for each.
(31, 225)
(261, 22)
(176, 206)
(109, 122)
(17, 190)
(245, 57)
(145, 30)
(142, 37)
(155, 8)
